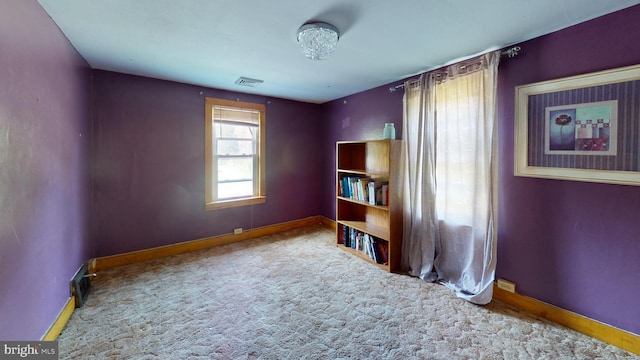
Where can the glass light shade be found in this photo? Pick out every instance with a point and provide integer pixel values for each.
(318, 40)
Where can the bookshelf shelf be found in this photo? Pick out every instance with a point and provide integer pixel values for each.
(361, 255)
(369, 200)
(377, 231)
(364, 203)
(364, 172)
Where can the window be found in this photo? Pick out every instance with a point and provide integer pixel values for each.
(234, 159)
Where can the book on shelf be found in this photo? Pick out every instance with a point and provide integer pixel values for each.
(374, 248)
(353, 238)
(370, 247)
(365, 244)
(379, 192)
(383, 251)
(345, 236)
(354, 187)
(374, 191)
(384, 194)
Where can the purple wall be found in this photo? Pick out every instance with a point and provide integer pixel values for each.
(45, 98)
(571, 244)
(149, 164)
(357, 117)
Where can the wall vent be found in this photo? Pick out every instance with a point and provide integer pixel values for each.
(81, 284)
(245, 81)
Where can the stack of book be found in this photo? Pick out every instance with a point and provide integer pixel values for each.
(376, 249)
(376, 192)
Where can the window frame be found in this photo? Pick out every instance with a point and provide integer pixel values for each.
(259, 196)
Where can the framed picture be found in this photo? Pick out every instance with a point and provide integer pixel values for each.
(581, 128)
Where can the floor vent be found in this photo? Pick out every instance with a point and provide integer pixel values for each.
(81, 284)
(245, 81)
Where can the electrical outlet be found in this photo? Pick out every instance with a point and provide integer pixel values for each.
(237, 231)
(507, 285)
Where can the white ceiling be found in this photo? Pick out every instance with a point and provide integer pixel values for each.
(213, 42)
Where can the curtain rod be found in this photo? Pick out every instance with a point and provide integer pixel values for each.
(510, 52)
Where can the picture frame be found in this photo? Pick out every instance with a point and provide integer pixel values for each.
(580, 128)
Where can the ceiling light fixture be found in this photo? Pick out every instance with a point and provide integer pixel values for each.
(318, 40)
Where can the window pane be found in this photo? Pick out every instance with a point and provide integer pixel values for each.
(236, 168)
(235, 147)
(239, 131)
(235, 189)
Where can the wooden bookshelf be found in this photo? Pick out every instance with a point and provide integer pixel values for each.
(377, 221)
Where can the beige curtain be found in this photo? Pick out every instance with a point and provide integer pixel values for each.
(450, 209)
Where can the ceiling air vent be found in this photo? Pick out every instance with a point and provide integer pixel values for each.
(245, 81)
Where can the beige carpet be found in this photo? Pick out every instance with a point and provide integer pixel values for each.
(296, 296)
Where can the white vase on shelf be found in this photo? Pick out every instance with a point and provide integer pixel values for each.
(389, 132)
